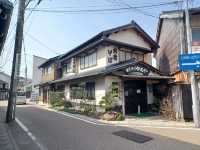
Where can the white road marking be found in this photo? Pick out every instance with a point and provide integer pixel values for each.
(78, 118)
(121, 125)
(30, 134)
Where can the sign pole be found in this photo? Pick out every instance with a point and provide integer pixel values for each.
(195, 101)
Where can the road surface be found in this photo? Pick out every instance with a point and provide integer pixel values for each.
(54, 131)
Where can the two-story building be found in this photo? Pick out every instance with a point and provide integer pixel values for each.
(118, 59)
(172, 39)
(4, 85)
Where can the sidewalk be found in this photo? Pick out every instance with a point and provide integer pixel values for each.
(6, 140)
(155, 121)
(12, 136)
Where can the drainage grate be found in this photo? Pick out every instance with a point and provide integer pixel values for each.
(132, 136)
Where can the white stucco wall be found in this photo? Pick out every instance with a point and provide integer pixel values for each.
(108, 85)
(129, 36)
(99, 89)
(37, 73)
(67, 91)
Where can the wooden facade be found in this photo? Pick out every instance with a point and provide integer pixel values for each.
(171, 37)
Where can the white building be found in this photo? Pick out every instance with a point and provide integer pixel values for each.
(36, 76)
(119, 58)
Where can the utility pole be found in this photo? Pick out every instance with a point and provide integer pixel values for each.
(10, 115)
(195, 101)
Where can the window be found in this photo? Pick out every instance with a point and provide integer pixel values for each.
(43, 71)
(88, 60)
(90, 90)
(83, 90)
(82, 62)
(128, 55)
(125, 55)
(115, 89)
(122, 56)
(196, 34)
(68, 67)
(140, 57)
(76, 91)
(49, 69)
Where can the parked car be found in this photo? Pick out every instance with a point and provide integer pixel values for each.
(21, 97)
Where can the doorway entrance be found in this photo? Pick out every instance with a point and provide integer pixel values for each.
(135, 94)
(45, 92)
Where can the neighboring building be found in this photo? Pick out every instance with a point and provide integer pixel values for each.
(171, 37)
(6, 8)
(36, 76)
(4, 85)
(119, 58)
(22, 83)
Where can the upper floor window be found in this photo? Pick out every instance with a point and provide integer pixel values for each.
(196, 34)
(124, 56)
(49, 69)
(68, 67)
(88, 60)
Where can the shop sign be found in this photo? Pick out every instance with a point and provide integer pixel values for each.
(112, 55)
(137, 69)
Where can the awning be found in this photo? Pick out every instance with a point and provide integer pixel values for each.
(147, 77)
(124, 69)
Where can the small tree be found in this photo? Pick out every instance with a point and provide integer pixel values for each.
(108, 101)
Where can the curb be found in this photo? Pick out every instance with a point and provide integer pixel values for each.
(100, 122)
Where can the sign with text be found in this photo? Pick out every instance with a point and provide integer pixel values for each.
(137, 69)
(189, 62)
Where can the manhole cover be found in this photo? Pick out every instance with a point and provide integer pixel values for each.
(132, 136)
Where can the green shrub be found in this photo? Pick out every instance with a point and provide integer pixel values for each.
(56, 99)
(108, 101)
(67, 104)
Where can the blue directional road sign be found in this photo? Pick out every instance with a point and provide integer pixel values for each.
(189, 62)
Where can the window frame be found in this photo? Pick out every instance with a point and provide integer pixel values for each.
(66, 66)
(81, 91)
(86, 60)
(195, 28)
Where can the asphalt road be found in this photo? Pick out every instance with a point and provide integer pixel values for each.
(58, 132)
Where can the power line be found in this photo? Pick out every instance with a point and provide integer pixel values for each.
(138, 9)
(11, 42)
(41, 43)
(101, 10)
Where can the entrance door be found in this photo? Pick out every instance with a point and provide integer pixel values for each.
(135, 94)
(45, 96)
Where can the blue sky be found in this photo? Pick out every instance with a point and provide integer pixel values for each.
(60, 32)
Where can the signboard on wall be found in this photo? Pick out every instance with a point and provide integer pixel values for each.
(137, 69)
(112, 55)
(188, 62)
(181, 77)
